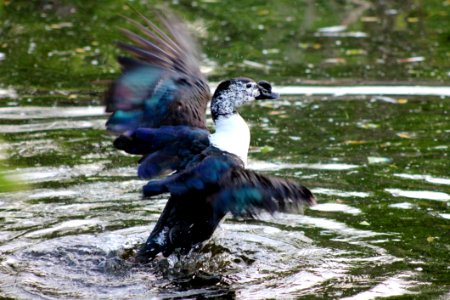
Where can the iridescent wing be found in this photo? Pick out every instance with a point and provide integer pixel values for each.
(161, 83)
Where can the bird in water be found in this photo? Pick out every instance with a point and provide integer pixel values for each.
(158, 107)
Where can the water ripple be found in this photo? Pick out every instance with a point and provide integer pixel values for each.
(336, 207)
(397, 285)
(38, 112)
(364, 90)
(52, 125)
(268, 166)
(8, 93)
(339, 193)
(427, 178)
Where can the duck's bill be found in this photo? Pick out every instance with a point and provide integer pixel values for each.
(265, 91)
(270, 95)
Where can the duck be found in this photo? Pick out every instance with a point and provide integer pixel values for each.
(158, 107)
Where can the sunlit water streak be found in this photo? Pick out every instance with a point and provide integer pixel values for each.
(360, 90)
(428, 195)
(336, 207)
(333, 192)
(8, 93)
(397, 285)
(427, 178)
(364, 90)
(52, 125)
(268, 166)
(37, 112)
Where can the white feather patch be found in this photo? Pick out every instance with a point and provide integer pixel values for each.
(232, 135)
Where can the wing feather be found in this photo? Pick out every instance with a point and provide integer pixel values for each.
(161, 83)
(247, 193)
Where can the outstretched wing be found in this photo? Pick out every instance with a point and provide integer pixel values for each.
(232, 188)
(215, 184)
(246, 193)
(168, 148)
(203, 173)
(161, 84)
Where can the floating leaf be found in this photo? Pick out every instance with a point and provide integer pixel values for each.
(412, 20)
(276, 112)
(405, 135)
(266, 149)
(354, 142)
(369, 19)
(263, 12)
(58, 26)
(365, 223)
(355, 52)
(367, 125)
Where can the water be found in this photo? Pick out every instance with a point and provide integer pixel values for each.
(380, 228)
(363, 121)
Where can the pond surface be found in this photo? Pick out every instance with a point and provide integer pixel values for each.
(380, 228)
(376, 158)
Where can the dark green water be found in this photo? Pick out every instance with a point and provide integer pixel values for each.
(379, 166)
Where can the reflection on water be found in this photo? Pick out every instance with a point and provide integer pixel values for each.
(30, 112)
(333, 192)
(397, 285)
(437, 196)
(7, 93)
(336, 207)
(73, 232)
(427, 178)
(268, 166)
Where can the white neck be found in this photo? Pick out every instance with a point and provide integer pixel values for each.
(232, 135)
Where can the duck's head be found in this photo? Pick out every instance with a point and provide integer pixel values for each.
(232, 93)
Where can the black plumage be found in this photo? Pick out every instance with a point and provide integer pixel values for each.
(158, 108)
(213, 184)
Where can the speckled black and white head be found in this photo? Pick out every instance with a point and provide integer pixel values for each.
(232, 93)
(232, 132)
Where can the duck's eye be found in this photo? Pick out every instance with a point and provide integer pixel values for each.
(249, 85)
